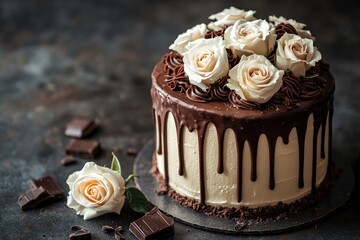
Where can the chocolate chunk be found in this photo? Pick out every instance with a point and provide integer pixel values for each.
(81, 233)
(153, 225)
(49, 185)
(107, 229)
(131, 152)
(85, 148)
(67, 160)
(80, 127)
(33, 198)
(118, 235)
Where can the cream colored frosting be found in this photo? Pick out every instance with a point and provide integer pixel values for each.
(221, 189)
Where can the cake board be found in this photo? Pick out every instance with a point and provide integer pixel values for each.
(335, 198)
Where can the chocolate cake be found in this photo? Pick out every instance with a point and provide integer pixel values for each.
(243, 112)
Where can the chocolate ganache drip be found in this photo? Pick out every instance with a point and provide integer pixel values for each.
(283, 28)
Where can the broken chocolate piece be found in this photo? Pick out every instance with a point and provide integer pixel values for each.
(153, 225)
(80, 127)
(85, 148)
(107, 229)
(49, 185)
(33, 198)
(67, 160)
(81, 233)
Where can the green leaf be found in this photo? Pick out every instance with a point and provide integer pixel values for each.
(129, 178)
(137, 200)
(115, 164)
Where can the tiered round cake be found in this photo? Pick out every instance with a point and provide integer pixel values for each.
(243, 109)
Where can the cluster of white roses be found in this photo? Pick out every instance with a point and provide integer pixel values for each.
(254, 78)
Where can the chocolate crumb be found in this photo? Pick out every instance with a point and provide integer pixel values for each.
(116, 149)
(240, 225)
(118, 235)
(67, 160)
(107, 229)
(81, 233)
(131, 152)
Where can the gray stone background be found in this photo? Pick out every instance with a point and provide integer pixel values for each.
(60, 59)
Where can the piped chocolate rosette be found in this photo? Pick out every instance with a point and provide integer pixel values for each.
(243, 112)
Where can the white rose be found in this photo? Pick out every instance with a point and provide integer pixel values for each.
(299, 27)
(206, 61)
(95, 191)
(190, 35)
(296, 54)
(229, 16)
(257, 37)
(255, 79)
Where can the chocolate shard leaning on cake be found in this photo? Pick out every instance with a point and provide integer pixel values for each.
(243, 112)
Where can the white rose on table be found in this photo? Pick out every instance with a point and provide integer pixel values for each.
(95, 191)
(206, 61)
(190, 35)
(299, 27)
(244, 38)
(255, 79)
(229, 16)
(296, 54)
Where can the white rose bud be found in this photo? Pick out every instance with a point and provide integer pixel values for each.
(206, 61)
(255, 79)
(246, 38)
(296, 54)
(95, 191)
(229, 16)
(299, 27)
(190, 35)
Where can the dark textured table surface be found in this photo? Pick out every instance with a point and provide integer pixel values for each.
(60, 59)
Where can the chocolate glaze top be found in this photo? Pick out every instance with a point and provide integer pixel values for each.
(225, 108)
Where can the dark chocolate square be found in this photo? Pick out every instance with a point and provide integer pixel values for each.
(33, 198)
(80, 127)
(153, 225)
(85, 148)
